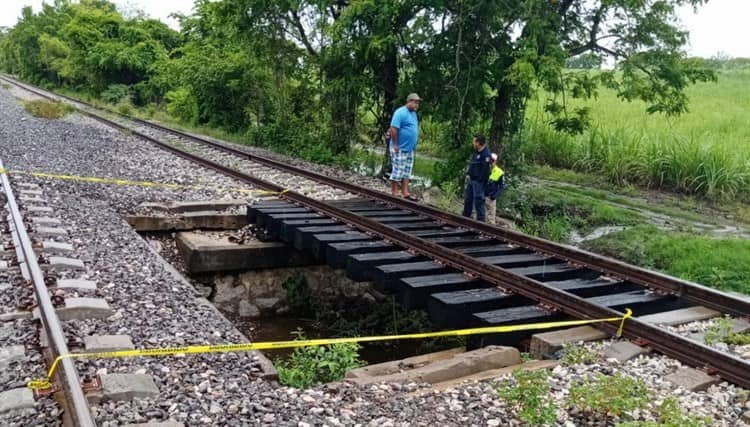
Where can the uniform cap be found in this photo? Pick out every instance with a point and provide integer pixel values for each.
(413, 97)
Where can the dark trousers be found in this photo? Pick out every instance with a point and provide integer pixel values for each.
(474, 198)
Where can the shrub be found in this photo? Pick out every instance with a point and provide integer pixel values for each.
(48, 109)
(115, 93)
(529, 392)
(609, 396)
(182, 104)
(309, 366)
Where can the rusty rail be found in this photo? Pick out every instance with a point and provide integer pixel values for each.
(74, 399)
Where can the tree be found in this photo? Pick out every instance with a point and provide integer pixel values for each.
(481, 58)
(584, 61)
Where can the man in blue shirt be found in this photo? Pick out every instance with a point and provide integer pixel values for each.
(476, 178)
(404, 132)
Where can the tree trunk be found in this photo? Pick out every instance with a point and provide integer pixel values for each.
(388, 77)
(500, 116)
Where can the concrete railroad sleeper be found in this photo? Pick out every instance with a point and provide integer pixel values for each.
(78, 408)
(687, 351)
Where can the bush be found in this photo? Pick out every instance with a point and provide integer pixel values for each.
(529, 392)
(115, 93)
(310, 366)
(182, 104)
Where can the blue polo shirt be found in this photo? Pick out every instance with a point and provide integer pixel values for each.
(407, 124)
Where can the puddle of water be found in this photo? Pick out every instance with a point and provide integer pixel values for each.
(576, 238)
(282, 328)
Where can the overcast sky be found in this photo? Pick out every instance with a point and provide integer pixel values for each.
(719, 26)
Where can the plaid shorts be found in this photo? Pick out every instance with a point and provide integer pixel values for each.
(402, 162)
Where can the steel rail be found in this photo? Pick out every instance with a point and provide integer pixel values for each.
(74, 398)
(690, 352)
(662, 283)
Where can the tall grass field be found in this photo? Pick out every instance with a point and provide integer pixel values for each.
(705, 152)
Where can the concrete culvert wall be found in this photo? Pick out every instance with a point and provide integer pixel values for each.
(262, 293)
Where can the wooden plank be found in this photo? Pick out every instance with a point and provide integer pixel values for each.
(519, 260)
(338, 253)
(454, 309)
(303, 236)
(271, 221)
(288, 227)
(321, 241)
(385, 276)
(546, 273)
(413, 292)
(360, 267)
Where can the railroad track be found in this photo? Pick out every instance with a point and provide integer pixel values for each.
(519, 266)
(76, 407)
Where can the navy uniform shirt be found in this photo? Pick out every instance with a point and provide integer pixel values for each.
(480, 165)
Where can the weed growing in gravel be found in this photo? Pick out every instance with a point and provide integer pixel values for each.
(578, 355)
(47, 109)
(719, 330)
(738, 339)
(670, 415)
(529, 392)
(609, 396)
(309, 366)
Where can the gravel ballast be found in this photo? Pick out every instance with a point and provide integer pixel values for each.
(156, 309)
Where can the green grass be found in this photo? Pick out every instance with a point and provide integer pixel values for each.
(47, 109)
(553, 214)
(703, 152)
(677, 206)
(718, 263)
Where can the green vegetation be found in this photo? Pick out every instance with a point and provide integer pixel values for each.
(719, 263)
(553, 214)
(345, 317)
(670, 415)
(703, 152)
(310, 366)
(315, 79)
(578, 355)
(529, 392)
(721, 331)
(603, 399)
(608, 397)
(47, 109)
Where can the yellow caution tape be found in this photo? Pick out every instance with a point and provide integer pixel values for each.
(41, 384)
(126, 182)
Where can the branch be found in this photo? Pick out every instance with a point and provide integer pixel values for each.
(591, 44)
(302, 36)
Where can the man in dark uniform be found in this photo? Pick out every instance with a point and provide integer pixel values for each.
(476, 178)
